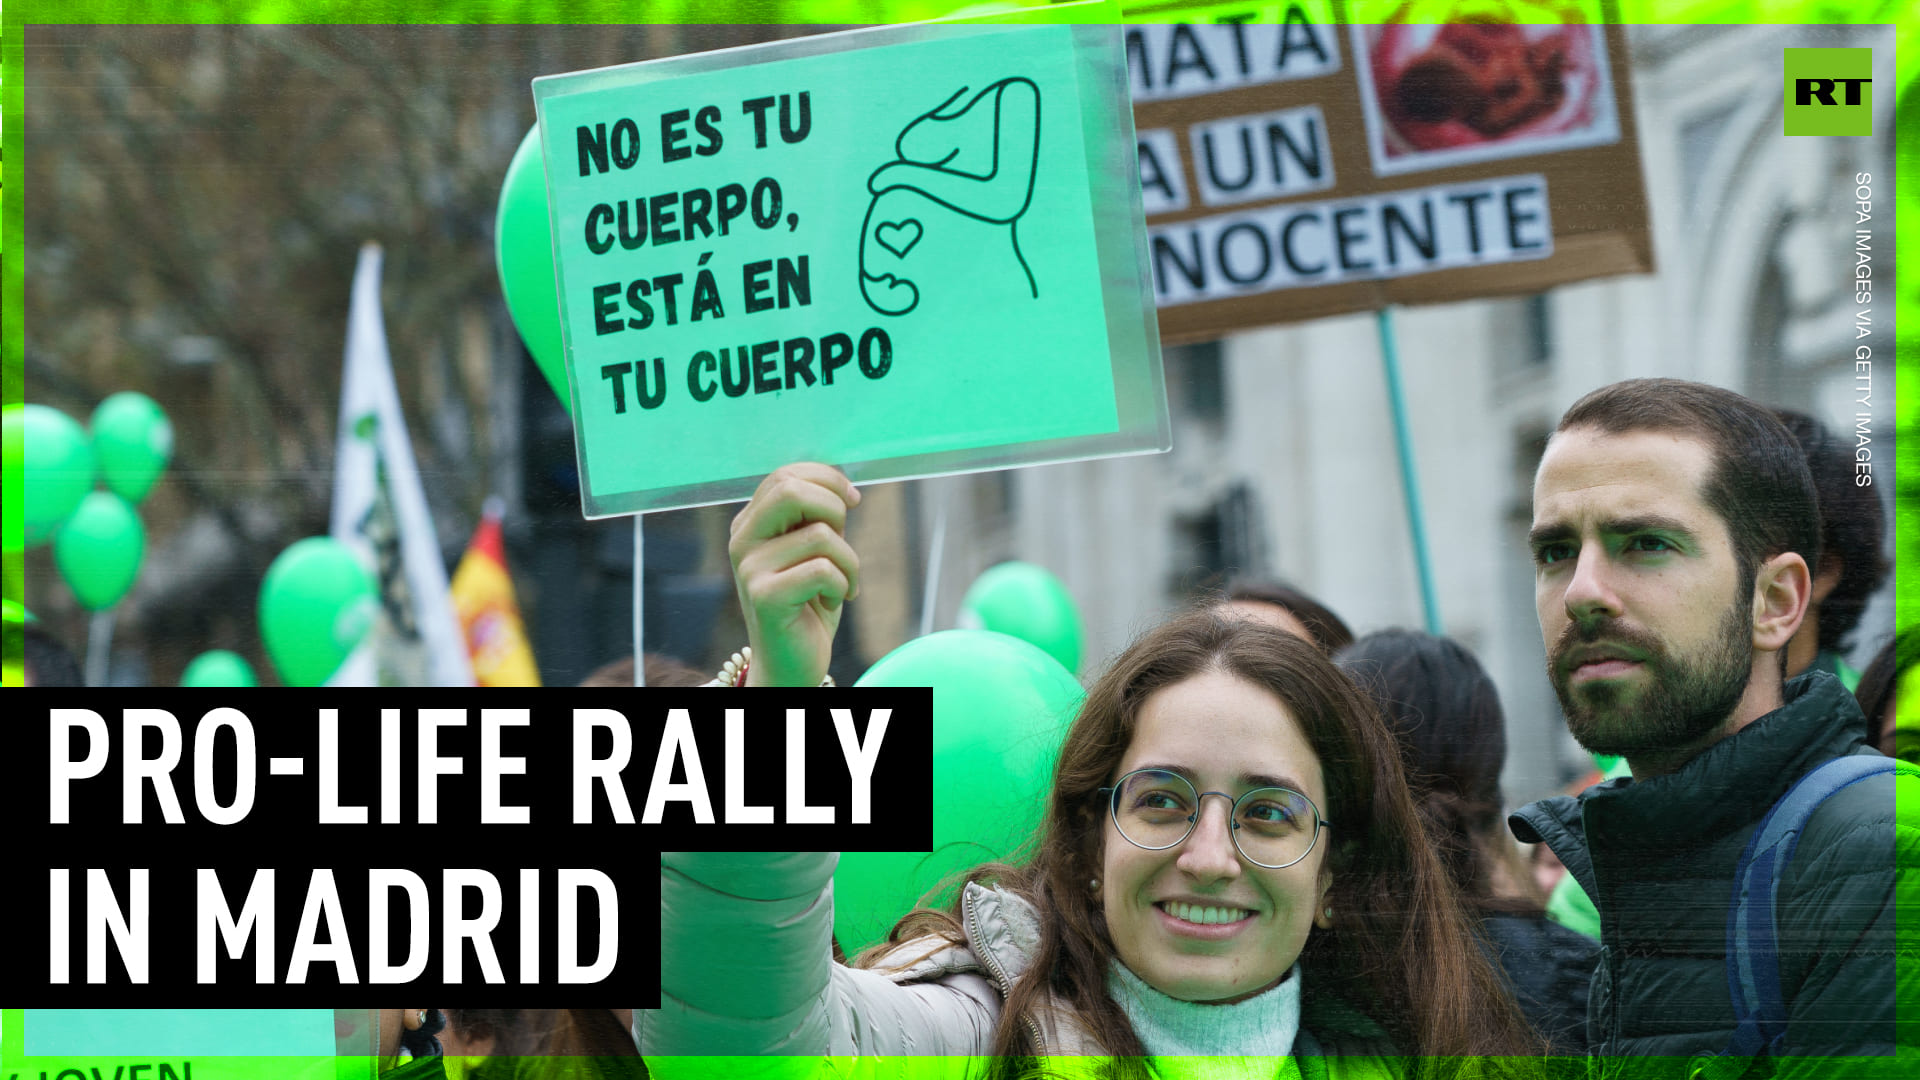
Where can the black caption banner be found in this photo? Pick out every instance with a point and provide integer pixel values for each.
(216, 846)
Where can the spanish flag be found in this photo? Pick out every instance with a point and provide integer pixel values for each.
(489, 615)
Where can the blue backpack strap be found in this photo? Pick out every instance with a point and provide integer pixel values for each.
(1753, 944)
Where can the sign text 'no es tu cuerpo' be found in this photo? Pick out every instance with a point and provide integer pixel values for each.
(906, 251)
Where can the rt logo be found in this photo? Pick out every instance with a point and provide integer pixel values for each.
(1829, 91)
(1808, 91)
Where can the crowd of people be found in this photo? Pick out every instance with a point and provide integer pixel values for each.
(1272, 849)
(1352, 903)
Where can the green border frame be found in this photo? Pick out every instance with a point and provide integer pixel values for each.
(16, 15)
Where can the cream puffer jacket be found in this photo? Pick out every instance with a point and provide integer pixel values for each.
(746, 969)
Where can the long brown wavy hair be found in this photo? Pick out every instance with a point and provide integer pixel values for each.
(1401, 950)
(551, 1044)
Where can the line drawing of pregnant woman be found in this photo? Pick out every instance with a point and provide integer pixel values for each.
(976, 159)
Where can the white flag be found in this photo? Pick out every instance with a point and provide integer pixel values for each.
(380, 509)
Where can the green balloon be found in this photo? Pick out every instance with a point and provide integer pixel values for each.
(133, 440)
(218, 667)
(12, 441)
(315, 605)
(98, 549)
(1000, 710)
(56, 467)
(1028, 602)
(523, 253)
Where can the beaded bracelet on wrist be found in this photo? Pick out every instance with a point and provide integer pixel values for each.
(734, 671)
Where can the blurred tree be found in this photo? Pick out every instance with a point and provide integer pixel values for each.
(195, 199)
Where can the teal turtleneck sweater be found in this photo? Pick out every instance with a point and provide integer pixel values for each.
(1262, 1026)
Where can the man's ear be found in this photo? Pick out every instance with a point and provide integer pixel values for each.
(1782, 591)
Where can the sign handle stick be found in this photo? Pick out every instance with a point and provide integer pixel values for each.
(1409, 479)
(931, 591)
(99, 641)
(639, 605)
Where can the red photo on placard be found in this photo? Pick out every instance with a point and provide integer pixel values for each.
(1439, 94)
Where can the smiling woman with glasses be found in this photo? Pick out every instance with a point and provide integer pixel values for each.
(1183, 898)
(1273, 827)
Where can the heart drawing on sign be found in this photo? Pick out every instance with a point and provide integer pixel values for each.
(995, 135)
(898, 237)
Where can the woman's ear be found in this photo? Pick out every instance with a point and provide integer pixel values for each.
(1323, 911)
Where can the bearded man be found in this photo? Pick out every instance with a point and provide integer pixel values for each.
(1673, 527)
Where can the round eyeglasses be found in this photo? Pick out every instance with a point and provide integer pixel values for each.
(1273, 827)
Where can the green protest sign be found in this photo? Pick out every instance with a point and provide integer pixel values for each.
(189, 1044)
(905, 251)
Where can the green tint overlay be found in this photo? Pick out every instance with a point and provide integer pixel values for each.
(19, 13)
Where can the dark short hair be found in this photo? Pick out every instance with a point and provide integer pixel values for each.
(1852, 523)
(1759, 483)
(1327, 629)
(1445, 711)
(1442, 706)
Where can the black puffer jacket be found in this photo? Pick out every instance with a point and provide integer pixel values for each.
(1658, 857)
(1549, 968)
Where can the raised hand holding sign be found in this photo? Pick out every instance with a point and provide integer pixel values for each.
(794, 571)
